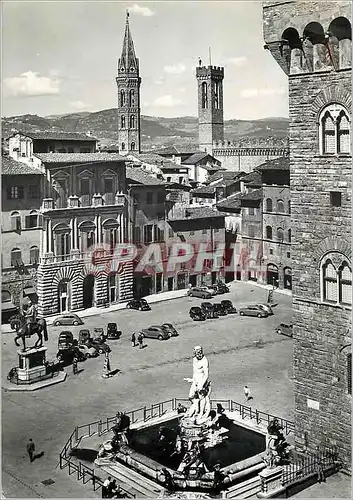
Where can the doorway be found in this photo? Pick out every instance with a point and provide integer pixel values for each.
(272, 275)
(88, 291)
(64, 298)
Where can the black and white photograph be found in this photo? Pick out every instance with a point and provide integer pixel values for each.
(176, 249)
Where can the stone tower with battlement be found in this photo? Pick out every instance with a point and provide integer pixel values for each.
(128, 82)
(210, 106)
(311, 42)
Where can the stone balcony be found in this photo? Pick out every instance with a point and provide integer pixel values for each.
(85, 201)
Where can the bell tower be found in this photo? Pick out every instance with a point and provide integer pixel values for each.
(128, 82)
(210, 105)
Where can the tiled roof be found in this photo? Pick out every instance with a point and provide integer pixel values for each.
(225, 175)
(57, 136)
(204, 190)
(79, 157)
(253, 195)
(232, 202)
(156, 159)
(9, 166)
(254, 177)
(140, 176)
(281, 163)
(174, 150)
(199, 213)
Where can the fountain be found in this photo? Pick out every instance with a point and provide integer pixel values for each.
(196, 451)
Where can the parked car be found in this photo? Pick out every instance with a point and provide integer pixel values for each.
(66, 356)
(228, 306)
(65, 340)
(68, 319)
(266, 307)
(101, 347)
(220, 288)
(139, 305)
(84, 336)
(113, 332)
(208, 310)
(196, 314)
(88, 351)
(170, 328)
(155, 332)
(253, 311)
(99, 335)
(285, 329)
(219, 309)
(198, 291)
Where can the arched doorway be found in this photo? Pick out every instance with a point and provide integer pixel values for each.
(88, 291)
(64, 296)
(272, 275)
(287, 272)
(113, 287)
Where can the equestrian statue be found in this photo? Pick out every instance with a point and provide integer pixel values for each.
(28, 324)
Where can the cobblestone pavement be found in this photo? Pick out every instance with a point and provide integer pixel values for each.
(336, 486)
(241, 350)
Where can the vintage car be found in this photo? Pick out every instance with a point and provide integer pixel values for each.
(196, 314)
(198, 291)
(113, 332)
(208, 310)
(168, 327)
(139, 305)
(155, 332)
(285, 329)
(219, 309)
(220, 288)
(253, 311)
(89, 351)
(66, 356)
(266, 307)
(66, 340)
(84, 336)
(228, 306)
(68, 319)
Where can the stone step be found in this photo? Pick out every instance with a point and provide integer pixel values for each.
(131, 480)
(246, 489)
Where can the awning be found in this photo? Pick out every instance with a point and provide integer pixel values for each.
(8, 306)
(29, 291)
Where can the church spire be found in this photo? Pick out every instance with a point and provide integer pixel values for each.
(128, 61)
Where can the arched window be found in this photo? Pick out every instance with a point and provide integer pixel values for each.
(341, 31)
(132, 98)
(269, 205)
(289, 235)
(34, 255)
(204, 95)
(5, 296)
(133, 146)
(123, 146)
(336, 279)
(280, 234)
(15, 221)
(32, 220)
(345, 284)
(334, 127)
(132, 121)
(280, 206)
(122, 97)
(269, 232)
(16, 257)
(122, 121)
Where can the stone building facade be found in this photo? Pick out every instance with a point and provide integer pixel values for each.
(22, 232)
(128, 82)
(311, 41)
(84, 217)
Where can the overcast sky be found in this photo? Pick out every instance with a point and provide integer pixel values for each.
(61, 57)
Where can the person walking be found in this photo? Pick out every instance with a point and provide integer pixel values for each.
(106, 487)
(133, 339)
(140, 340)
(74, 365)
(247, 393)
(30, 449)
(106, 367)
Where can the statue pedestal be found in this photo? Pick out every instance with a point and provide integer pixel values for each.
(270, 481)
(31, 364)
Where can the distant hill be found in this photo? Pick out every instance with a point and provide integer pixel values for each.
(155, 131)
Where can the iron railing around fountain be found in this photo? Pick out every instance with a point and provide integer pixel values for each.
(143, 414)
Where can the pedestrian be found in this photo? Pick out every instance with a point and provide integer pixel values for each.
(320, 472)
(30, 449)
(140, 340)
(247, 393)
(112, 489)
(105, 487)
(133, 339)
(106, 366)
(74, 365)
